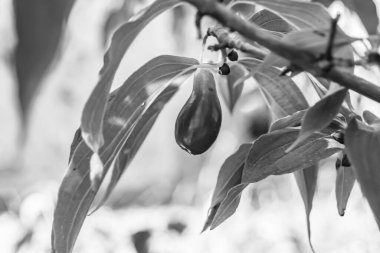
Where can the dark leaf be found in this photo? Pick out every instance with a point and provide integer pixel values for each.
(127, 108)
(228, 178)
(362, 147)
(39, 27)
(320, 115)
(94, 110)
(345, 180)
(268, 157)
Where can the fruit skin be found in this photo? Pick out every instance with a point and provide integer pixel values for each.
(198, 123)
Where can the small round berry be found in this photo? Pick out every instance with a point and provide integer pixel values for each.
(233, 56)
(224, 69)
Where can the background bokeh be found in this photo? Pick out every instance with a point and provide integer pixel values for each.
(161, 202)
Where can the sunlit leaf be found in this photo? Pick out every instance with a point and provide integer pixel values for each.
(117, 17)
(224, 200)
(362, 147)
(93, 112)
(302, 14)
(282, 89)
(370, 118)
(293, 120)
(243, 9)
(268, 157)
(271, 21)
(367, 12)
(136, 138)
(345, 179)
(124, 112)
(320, 115)
(307, 183)
(39, 28)
(228, 205)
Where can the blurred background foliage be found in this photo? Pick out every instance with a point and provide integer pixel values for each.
(161, 202)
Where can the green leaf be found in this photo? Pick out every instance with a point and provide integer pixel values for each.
(232, 88)
(320, 115)
(94, 110)
(228, 178)
(39, 27)
(271, 21)
(282, 91)
(362, 147)
(301, 14)
(268, 157)
(345, 179)
(125, 110)
(307, 183)
(370, 118)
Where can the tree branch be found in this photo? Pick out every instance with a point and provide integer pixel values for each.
(299, 57)
(225, 40)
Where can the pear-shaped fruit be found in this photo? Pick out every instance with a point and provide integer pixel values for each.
(198, 123)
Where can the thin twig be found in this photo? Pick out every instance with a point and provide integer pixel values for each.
(226, 41)
(299, 57)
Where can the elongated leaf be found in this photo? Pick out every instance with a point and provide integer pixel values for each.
(94, 110)
(243, 9)
(268, 157)
(345, 179)
(271, 21)
(362, 147)
(307, 183)
(293, 120)
(137, 137)
(370, 118)
(229, 177)
(282, 89)
(366, 10)
(302, 14)
(124, 112)
(320, 115)
(117, 17)
(232, 88)
(228, 205)
(230, 173)
(39, 27)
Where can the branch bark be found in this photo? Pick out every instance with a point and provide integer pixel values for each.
(299, 57)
